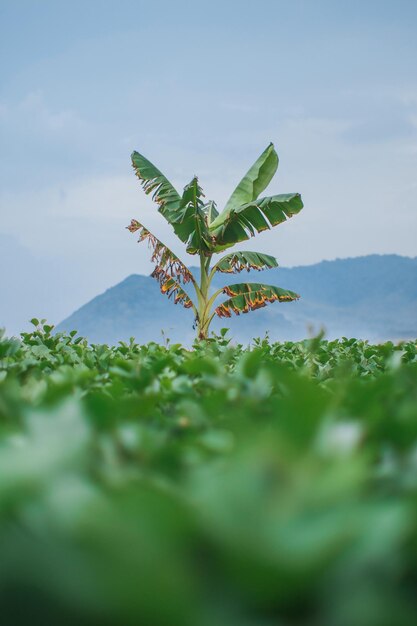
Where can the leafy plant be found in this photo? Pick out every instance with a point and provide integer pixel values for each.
(152, 484)
(206, 232)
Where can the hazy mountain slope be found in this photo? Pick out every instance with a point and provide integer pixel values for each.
(134, 307)
(373, 297)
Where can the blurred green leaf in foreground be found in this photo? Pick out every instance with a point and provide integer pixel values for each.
(260, 486)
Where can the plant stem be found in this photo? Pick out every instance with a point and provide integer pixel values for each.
(204, 318)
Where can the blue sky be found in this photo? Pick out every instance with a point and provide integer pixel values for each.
(200, 88)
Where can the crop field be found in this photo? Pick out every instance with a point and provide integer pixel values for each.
(268, 485)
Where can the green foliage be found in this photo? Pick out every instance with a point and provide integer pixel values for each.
(239, 224)
(255, 180)
(149, 484)
(238, 261)
(250, 296)
(207, 232)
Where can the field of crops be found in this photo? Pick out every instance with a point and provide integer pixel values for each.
(152, 485)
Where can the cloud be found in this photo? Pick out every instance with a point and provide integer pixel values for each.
(32, 115)
(85, 218)
(40, 143)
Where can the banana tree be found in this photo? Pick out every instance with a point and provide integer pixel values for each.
(206, 232)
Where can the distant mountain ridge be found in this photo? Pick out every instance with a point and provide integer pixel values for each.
(373, 297)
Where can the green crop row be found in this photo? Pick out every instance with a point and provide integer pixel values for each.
(268, 485)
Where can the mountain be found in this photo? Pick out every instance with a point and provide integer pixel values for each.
(373, 297)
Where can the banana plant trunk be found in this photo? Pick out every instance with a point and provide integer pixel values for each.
(204, 316)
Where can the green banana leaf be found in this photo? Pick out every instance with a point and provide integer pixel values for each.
(190, 224)
(255, 180)
(238, 261)
(247, 297)
(152, 180)
(244, 221)
(211, 211)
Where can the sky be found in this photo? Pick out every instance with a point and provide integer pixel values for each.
(199, 87)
